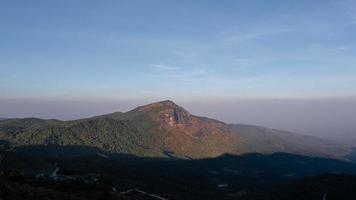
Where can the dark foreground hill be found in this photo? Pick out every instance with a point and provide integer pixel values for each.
(326, 186)
(164, 129)
(68, 173)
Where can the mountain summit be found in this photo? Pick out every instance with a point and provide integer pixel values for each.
(164, 129)
(167, 113)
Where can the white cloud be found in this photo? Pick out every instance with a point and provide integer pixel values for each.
(323, 49)
(342, 48)
(165, 67)
(255, 35)
(204, 78)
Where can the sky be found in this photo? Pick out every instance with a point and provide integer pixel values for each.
(87, 57)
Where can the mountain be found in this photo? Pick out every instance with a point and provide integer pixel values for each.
(266, 140)
(133, 155)
(164, 129)
(160, 129)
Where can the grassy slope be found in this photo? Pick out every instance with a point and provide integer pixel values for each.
(109, 134)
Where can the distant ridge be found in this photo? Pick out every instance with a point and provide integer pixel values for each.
(165, 129)
(269, 140)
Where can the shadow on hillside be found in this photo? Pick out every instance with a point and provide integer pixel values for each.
(79, 159)
(4, 144)
(186, 178)
(352, 155)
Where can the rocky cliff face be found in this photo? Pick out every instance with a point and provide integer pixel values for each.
(173, 116)
(186, 134)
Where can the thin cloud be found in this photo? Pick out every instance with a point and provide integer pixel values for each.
(255, 35)
(342, 48)
(202, 77)
(165, 67)
(320, 48)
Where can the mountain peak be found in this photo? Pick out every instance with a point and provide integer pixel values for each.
(167, 113)
(161, 105)
(165, 103)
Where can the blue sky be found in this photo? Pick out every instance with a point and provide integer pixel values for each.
(186, 50)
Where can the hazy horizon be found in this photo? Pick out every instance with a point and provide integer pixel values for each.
(331, 118)
(286, 65)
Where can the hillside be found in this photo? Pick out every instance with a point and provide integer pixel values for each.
(158, 129)
(266, 140)
(164, 129)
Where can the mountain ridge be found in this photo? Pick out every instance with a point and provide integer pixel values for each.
(154, 129)
(275, 139)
